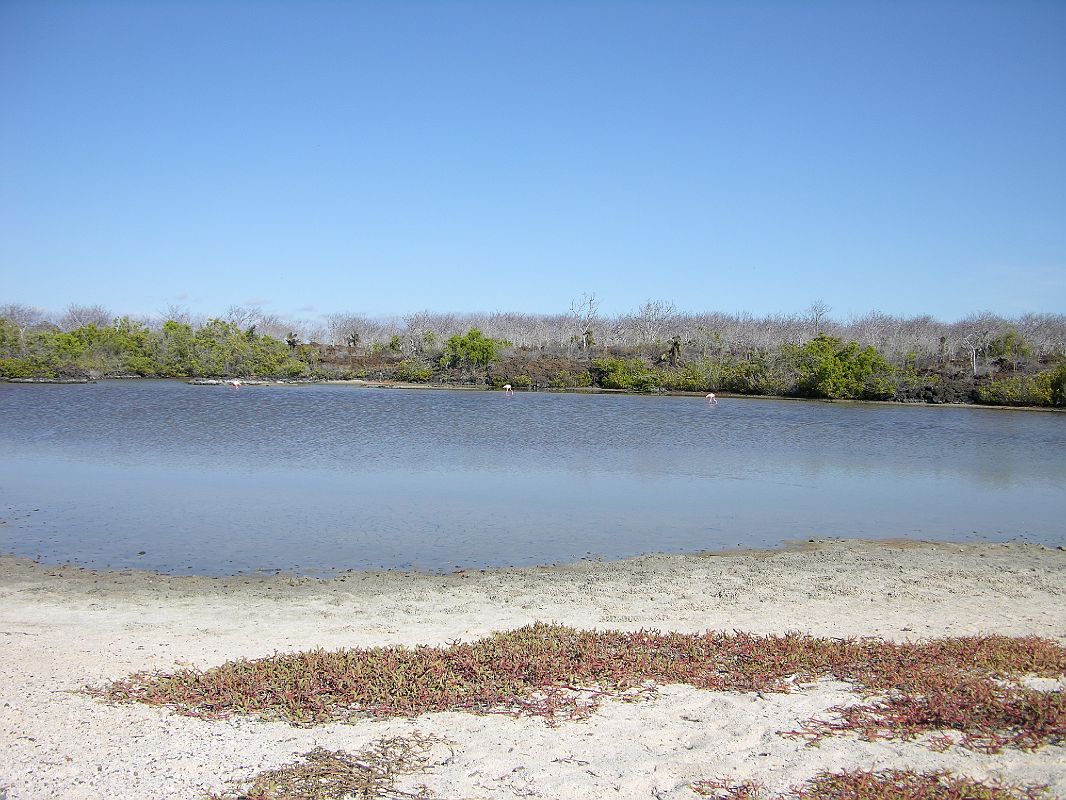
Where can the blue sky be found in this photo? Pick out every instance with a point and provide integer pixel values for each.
(387, 157)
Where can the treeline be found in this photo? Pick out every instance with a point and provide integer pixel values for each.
(899, 339)
(983, 358)
(823, 367)
(129, 348)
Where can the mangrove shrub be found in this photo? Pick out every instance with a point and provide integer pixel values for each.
(1033, 390)
(831, 368)
(217, 349)
(474, 350)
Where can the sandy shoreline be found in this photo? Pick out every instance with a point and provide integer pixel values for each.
(63, 628)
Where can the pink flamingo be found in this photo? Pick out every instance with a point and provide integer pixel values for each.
(507, 390)
(712, 399)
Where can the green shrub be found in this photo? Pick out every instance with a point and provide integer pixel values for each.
(759, 374)
(834, 369)
(1057, 385)
(291, 369)
(570, 380)
(332, 372)
(23, 368)
(474, 349)
(11, 345)
(699, 376)
(1036, 390)
(615, 373)
(648, 381)
(498, 381)
(142, 365)
(1010, 348)
(413, 371)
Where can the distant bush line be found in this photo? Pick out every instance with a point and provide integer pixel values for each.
(998, 362)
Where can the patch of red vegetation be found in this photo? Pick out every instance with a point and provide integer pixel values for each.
(559, 673)
(881, 785)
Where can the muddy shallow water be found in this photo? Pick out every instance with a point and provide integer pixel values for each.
(312, 479)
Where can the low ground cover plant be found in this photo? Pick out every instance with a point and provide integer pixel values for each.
(880, 785)
(968, 685)
(335, 774)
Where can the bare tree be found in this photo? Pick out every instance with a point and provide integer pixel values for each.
(584, 312)
(177, 313)
(274, 325)
(243, 316)
(340, 327)
(367, 330)
(872, 329)
(816, 314)
(80, 316)
(444, 326)
(1045, 332)
(313, 332)
(652, 320)
(980, 329)
(709, 333)
(419, 333)
(23, 317)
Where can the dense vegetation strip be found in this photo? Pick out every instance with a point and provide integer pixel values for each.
(986, 360)
(373, 772)
(879, 785)
(559, 673)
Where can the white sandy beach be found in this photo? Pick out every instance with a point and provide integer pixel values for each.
(61, 629)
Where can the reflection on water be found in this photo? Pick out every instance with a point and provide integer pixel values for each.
(318, 478)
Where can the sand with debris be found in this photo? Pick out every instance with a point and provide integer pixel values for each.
(64, 628)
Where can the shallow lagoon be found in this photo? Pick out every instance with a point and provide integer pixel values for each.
(313, 479)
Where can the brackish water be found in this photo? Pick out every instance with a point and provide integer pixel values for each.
(313, 479)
